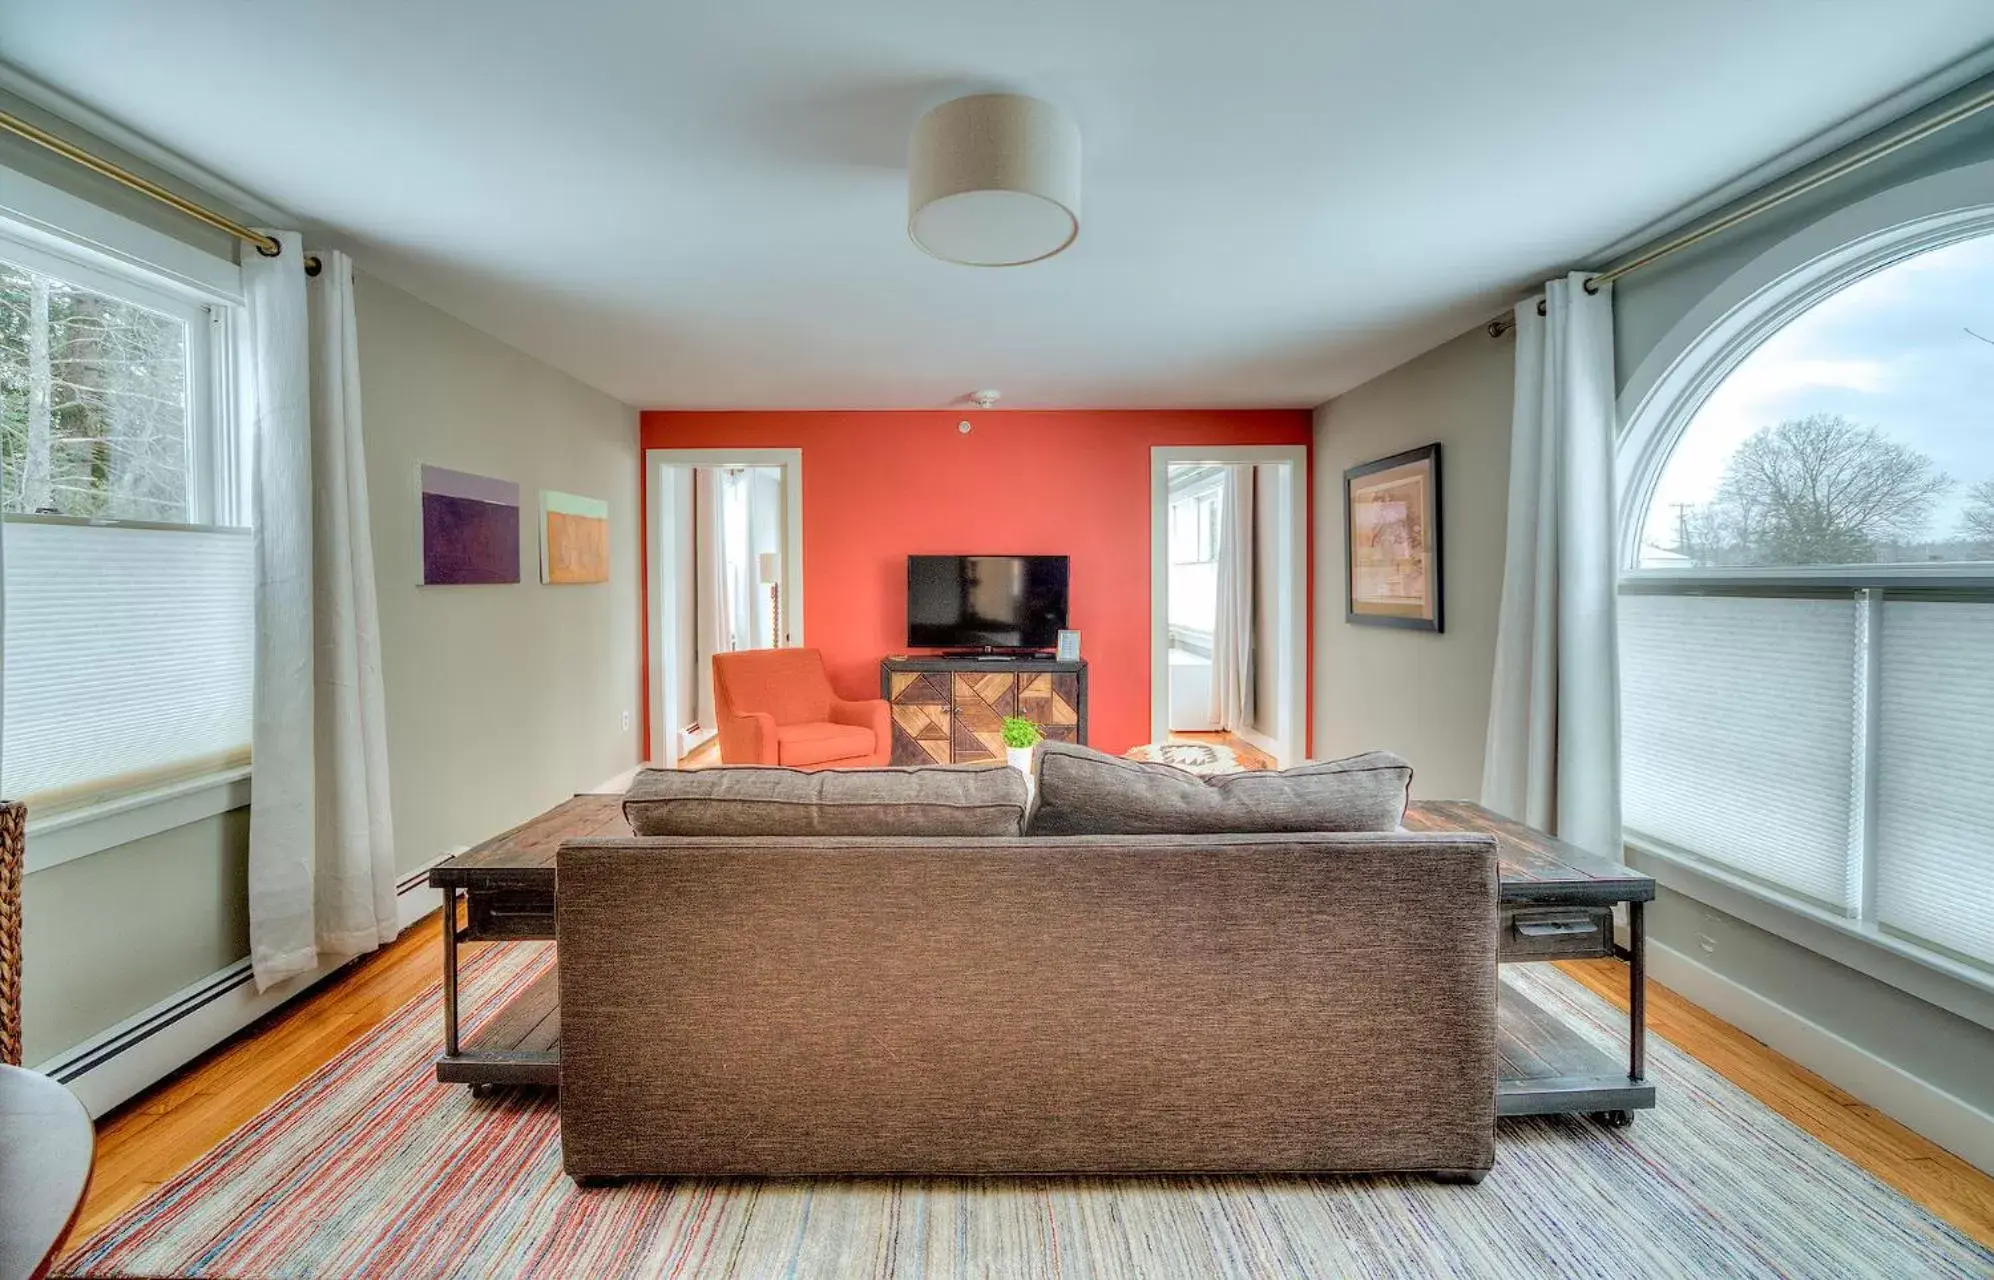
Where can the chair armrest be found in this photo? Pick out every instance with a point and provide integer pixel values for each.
(870, 713)
(747, 738)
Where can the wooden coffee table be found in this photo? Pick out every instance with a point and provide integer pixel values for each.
(1557, 904)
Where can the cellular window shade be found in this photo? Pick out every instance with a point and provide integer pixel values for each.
(127, 660)
(1935, 779)
(1738, 723)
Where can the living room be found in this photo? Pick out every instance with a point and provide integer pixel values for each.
(408, 413)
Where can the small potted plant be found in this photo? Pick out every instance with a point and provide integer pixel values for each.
(1020, 736)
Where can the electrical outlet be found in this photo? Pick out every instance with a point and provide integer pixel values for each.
(626, 722)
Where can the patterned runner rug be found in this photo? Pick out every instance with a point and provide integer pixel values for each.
(370, 1169)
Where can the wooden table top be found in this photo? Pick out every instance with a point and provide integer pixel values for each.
(523, 858)
(1535, 867)
(47, 1148)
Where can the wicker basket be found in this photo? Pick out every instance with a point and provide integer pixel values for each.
(13, 859)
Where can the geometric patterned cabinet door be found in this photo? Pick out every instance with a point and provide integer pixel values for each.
(951, 710)
(920, 716)
(982, 700)
(1051, 700)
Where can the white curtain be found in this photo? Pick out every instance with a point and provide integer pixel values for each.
(765, 515)
(1232, 623)
(321, 846)
(1553, 749)
(737, 498)
(715, 605)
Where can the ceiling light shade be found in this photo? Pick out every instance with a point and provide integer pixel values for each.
(993, 180)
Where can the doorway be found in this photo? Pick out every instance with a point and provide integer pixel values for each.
(724, 535)
(1229, 635)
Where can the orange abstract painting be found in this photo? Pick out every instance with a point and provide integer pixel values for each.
(574, 538)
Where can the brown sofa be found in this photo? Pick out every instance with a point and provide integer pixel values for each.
(823, 1004)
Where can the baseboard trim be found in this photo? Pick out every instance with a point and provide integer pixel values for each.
(1951, 1122)
(1265, 743)
(152, 1044)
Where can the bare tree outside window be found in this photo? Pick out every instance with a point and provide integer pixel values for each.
(1818, 490)
(93, 403)
(1976, 523)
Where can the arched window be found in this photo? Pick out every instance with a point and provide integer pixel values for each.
(1807, 595)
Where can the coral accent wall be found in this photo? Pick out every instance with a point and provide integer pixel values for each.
(879, 487)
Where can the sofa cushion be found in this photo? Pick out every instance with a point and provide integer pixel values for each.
(1083, 792)
(807, 744)
(758, 800)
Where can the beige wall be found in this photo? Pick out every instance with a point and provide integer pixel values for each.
(1267, 494)
(685, 601)
(1422, 695)
(108, 935)
(502, 700)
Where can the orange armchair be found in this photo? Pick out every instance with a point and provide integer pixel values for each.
(775, 706)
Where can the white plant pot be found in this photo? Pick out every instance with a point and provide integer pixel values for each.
(1020, 758)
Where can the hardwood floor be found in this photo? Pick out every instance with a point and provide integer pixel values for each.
(152, 1138)
(1249, 755)
(1922, 1170)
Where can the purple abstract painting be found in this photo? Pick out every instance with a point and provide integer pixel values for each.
(470, 528)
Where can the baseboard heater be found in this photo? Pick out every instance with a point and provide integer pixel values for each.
(152, 1044)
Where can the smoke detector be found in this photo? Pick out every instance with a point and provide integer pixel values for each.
(984, 399)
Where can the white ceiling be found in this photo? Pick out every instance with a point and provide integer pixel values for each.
(703, 204)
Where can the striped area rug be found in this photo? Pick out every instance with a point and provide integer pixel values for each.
(372, 1170)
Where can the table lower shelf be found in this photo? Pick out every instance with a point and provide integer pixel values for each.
(1543, 1066)
(1546, 1068)
(521, 1044)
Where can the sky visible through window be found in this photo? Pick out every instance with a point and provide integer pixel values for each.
(1906, 352)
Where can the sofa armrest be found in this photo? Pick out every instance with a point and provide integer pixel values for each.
(748, 738)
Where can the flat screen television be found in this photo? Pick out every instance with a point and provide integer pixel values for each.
(985, 602)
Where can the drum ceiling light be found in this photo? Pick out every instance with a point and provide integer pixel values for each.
(993, 180)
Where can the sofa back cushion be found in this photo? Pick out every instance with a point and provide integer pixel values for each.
(756, 800)
(786, 684)
(1083, 792)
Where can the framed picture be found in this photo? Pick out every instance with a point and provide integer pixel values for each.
(1391, 516)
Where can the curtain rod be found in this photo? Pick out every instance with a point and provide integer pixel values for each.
(1862, 158)
(268, 246)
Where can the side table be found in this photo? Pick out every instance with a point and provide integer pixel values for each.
(1557, 904)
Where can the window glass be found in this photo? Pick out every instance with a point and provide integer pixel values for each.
(1856, 434)
(1193, 598)
(1819, 737)
(130, 598)
(93, 403)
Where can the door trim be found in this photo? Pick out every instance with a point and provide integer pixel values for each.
(660, 542)
(1291, 733)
